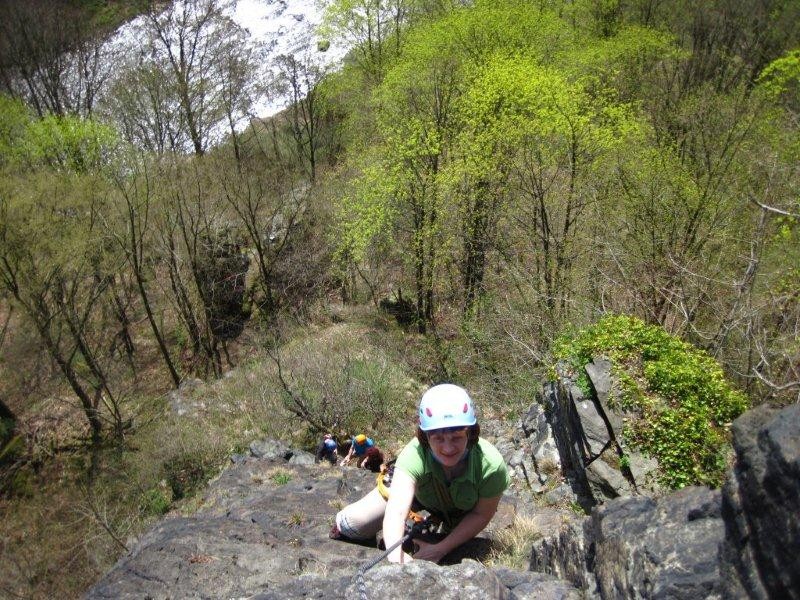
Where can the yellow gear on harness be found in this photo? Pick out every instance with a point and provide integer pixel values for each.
(382, 489)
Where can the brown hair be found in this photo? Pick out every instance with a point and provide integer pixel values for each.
(473, 431)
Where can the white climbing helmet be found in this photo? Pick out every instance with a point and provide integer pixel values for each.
(446, 405)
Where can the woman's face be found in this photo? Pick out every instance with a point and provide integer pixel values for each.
(448, 445)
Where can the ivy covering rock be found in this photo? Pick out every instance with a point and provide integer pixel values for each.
(677, 402)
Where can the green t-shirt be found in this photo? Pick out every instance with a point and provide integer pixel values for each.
(486, 476)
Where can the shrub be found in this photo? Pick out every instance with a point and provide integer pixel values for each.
(280, 476)
(154, 502)
(680, 404)
(188, 472)
(342, 384)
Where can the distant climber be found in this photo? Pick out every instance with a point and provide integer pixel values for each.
(373, 460)
(447, 469)
(365, 452)
(327, 449)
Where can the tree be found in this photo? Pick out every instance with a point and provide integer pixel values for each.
(141, 103)
(50, 58)
(365, 25)
(192, 79)
(532, 154)
(51, 252)
(130, 228)
(206, 266)
(306, 106)
(55, 263)
(268, 214)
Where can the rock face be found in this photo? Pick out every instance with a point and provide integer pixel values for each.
(761, 506)
(743, 542)
(262, 532)
(589, 440)
(640, 547)
(262, 524)
(422, 580)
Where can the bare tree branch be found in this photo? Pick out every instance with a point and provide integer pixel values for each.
(775, 210)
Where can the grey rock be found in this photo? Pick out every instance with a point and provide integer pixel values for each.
(301, 457)
(593, 426)
(662, 549)
(421, 580)
(540, 438)
(560, 495)
(606, 481)
(256, 535)
(270, 449)
(537, 488)
(527, 585)
(517, 458)
(761, 506)
(575, 392)
(640, 548)
(644, 471)
(250, 534)
(599, 372)
(548, 450)
(560, 550)
(180, 400)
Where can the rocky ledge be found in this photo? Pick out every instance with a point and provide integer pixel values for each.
(262, 532)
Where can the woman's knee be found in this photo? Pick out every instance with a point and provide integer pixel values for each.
(363, 519)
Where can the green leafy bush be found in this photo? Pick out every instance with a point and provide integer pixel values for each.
(680, 404)
(281, 477)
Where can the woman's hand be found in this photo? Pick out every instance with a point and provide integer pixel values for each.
(470, 526)
(402, 558)
(428, 551)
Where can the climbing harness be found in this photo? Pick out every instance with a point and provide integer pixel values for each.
(416, 525)
(384, 479)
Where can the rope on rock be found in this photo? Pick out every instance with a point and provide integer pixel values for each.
(413, 528)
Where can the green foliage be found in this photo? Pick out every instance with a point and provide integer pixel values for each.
(15, 118)
(782, 75)
(680, 404)
(65, 143)
(365, 215)
(281, 477)
(624, 462)
(186, 473)
(154, 503)
(69, 143)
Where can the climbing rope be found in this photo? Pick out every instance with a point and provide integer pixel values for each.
(413, 527)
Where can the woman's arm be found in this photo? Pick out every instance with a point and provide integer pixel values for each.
(470, 526)
(347, 458)
(401, 494)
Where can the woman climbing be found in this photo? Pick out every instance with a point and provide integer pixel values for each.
(447, 469)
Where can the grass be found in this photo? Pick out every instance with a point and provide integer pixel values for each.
(512, 547)
(280, 476)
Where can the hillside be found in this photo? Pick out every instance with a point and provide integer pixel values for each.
(477, 194)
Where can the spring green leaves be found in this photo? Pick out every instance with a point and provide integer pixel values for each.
(678, 402)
